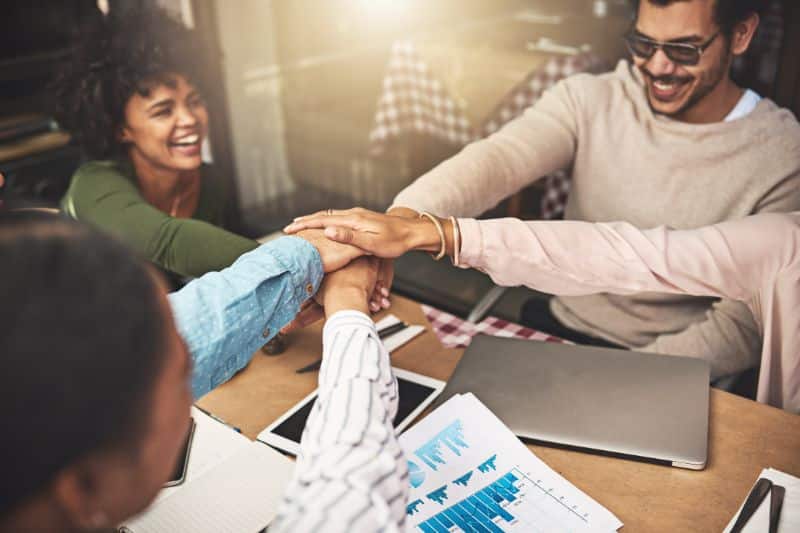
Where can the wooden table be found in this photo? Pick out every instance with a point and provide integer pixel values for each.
(744, 437)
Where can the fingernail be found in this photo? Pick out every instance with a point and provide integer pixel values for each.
(374, 307)
(386, 303)
(384, 291)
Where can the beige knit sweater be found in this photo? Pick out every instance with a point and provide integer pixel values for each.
(631, 165)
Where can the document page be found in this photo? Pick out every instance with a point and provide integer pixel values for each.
(213, 442)
(240, 495)
(232, 485)
(790, 512)
(469, 472)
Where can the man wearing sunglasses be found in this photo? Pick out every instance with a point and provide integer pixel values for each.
(667, 138)
(687, 73)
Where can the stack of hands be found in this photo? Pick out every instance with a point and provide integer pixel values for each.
(357, 247)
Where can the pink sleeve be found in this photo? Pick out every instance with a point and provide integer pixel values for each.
(733, 259)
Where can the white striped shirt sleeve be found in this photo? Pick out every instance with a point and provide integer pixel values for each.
(351, 474)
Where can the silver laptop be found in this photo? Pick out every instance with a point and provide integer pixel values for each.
(641, 406)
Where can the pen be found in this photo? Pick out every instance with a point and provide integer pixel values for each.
(382, 334)
(751, 504)
(775, 505)
(391, 330)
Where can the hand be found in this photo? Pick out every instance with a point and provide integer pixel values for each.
(311, 311)
(334, 255)
(350, 287)
(380, 296)
(382, 235)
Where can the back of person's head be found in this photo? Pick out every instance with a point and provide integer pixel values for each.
(727, 13)
(114, 56)
(81, 343)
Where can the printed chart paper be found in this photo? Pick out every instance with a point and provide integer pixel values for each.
(469, 472)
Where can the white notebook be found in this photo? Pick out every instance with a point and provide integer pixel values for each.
(232, 485)
(790, 513)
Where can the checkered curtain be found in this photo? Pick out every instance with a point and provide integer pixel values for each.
(413, 100)
(524, 95)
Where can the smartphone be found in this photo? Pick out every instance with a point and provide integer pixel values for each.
(179, 473)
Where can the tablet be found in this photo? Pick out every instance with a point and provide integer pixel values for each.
(416, 392)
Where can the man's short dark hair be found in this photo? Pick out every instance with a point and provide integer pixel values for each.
(82, 342)
(727, 13)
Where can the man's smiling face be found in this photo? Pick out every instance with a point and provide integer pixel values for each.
(674, 89)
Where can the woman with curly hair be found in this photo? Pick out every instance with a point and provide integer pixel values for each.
(132, 94)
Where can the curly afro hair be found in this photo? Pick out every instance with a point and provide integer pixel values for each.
(113, 56)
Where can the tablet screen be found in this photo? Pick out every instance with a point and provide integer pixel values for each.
(412, 395)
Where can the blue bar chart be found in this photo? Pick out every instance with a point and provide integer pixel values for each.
(488, 464)
(413, 507)
(469, 473)
(439, 495)
(509, 503)
(463, 480)
(451, 437)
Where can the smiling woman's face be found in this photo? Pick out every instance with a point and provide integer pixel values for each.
(165, 128)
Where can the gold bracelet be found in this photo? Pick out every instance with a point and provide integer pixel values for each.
(456, 241)
(439, 230)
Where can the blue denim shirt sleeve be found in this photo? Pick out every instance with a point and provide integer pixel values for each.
(226, 316)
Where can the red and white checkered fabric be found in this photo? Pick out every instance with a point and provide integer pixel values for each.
(415, 101)
(529, 90)
(454, 332)
(556, 191)
(524, 95)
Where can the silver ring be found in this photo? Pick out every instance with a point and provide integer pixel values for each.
(329, 212)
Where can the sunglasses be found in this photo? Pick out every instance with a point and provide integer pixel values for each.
(680, 53)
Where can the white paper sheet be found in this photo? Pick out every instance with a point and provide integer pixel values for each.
(213, 442)
(790, 513)
(466, 466)
(395, 341)
(232, 485)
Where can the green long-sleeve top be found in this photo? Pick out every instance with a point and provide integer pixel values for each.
(106, 194)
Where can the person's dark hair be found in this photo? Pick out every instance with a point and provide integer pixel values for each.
(128, 51)
(82, 342)
(727, 13)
